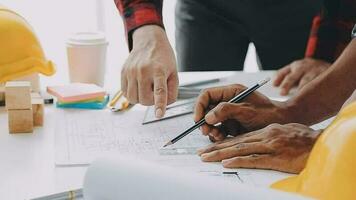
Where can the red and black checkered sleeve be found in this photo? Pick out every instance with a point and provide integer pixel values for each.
(137, 13)
(330, 32)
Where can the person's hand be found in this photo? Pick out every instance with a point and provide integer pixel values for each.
(149, 75)
(278, 147)
(254, 112)
(299, 73)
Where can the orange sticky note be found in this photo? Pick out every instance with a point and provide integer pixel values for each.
(76, 92)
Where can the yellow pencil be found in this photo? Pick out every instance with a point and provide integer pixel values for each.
(115, 99)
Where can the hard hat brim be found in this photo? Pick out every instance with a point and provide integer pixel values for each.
(26, 67)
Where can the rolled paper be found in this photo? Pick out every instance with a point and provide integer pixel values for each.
(130, 178)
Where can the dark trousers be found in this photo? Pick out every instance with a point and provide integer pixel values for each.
(213, 35)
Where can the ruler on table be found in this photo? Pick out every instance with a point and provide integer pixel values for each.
(179, 108)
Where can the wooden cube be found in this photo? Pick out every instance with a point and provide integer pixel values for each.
(38, 111)
(34, 79)
(18, 95)
(20, 121)
(36, 95)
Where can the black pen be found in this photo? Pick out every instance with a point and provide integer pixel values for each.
(236, 99)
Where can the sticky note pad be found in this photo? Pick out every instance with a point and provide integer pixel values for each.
(76, 92)
(95, 100)
(85, 105)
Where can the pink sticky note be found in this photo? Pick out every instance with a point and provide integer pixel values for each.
(76, 92)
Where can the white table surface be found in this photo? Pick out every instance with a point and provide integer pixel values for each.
(27, 168)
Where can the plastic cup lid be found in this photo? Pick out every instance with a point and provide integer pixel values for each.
(87, 38)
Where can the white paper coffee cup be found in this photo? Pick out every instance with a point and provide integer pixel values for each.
(87, 57)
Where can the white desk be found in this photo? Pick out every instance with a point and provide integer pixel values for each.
(27, 166)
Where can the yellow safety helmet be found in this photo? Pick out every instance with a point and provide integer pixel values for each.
(20, 51)
(330, 172)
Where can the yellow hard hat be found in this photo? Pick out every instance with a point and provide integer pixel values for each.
(20, 53)
(330, 172)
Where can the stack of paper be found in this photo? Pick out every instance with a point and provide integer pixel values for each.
(79, 95)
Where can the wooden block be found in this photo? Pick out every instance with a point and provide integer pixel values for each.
(34, 79)
(20, 121)
(38, 111)
(35, 95)
(18, 95)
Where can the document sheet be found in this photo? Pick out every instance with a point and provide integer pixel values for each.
(81, 136)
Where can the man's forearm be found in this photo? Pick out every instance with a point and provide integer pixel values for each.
(325, 95)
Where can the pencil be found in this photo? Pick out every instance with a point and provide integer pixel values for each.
(69, 195)
(115, 99)
(236, 99)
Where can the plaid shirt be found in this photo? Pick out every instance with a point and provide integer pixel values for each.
(329, 35)
(137, 13)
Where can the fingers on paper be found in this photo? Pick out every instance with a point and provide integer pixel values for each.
(254, 161)
(291, 80)
(241, 149)
(281, 74)
(307, 78)
(250, 137)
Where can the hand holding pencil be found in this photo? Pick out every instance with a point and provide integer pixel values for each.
(236, 109)
(254, 112)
